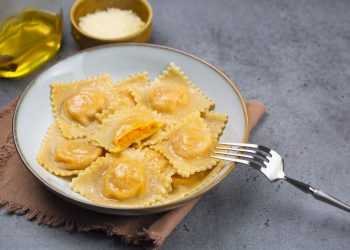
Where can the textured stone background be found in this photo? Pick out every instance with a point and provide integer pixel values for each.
(295, 57)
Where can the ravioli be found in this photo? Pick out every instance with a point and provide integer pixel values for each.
(172, 95)
(125, 179)
(76, 104)
(188, 146)
(64, 157)
(126, 127)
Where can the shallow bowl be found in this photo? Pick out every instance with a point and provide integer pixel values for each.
(33, 114)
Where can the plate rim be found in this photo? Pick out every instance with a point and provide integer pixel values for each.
(129, 210)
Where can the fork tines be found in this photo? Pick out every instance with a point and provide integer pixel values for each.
(249, 154)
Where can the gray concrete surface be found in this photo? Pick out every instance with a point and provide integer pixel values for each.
(295, 57)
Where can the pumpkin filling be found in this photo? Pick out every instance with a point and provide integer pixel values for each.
(134, 133)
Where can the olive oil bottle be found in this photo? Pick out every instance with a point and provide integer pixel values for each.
(27, 41)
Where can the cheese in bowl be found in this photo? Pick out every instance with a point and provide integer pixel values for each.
(111, 23)
(134, 143)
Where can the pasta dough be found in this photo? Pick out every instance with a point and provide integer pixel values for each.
(184, 186)
(124, 87)
(216, 122)
(76, 104)
(64, 157)
(124, 179)
(172, 95)
(189, 146)
(162, 164)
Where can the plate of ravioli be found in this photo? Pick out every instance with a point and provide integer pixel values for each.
(129, 129)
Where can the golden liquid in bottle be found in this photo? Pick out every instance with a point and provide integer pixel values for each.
(27, 41)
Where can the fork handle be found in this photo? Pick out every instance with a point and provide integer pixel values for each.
(318, 194)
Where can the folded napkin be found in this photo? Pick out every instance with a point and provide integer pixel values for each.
(21, 193)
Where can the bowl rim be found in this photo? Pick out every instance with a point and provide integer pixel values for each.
(131, 210)
(111, 40)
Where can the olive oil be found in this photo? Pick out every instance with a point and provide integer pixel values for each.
(27, 41)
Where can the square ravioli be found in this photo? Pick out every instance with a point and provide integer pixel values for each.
(126, 127)
(64, 157)
(188, 146)
(172, 95)
(124, 179)
(76, 104)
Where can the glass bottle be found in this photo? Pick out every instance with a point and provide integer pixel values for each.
(30, 35)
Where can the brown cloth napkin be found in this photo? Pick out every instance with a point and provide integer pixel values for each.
(21, 193)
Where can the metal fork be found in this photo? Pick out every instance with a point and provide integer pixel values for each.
(270, 163)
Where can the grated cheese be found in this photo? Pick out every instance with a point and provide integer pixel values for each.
(111, 23)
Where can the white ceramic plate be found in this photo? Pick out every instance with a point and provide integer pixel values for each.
(33, 113)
